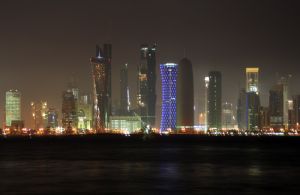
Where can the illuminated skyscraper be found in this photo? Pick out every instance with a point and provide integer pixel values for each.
(146, 84)
(206, 79)
(124, 91)
(101, 68)
(185, 96)
(12, 107)
(85, 112)
(248, 111)
(39, 114)
(252, 80)
(227, 116)
(52, 118)
(168, 74)
(69, 112)
(214, 100)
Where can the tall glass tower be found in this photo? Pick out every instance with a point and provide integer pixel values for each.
(168, 73)
(124, 91)
(215, 100)
(146, 97)
(12, 107)
(101, 70)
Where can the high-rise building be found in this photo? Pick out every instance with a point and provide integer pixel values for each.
(101, 68)
(12, 107)
(39, 114)
(124, 91)
(168, 74)
(69, 112)
(252, 80)
(206, 79)
(227, 116)
(146, 84)
(276, 103)
(296, 111)
(52, 116)
(85, 112)
(264, 118)
(185, 96)
(215, 100)
(248, 111)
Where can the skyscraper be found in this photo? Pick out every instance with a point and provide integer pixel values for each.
(215, 100)
(227, 116)
(69, 112)
(185, 96)
(248, 111)
(85, 112)
(12, 107)
(124, 91)
(101, 68)
(168, 74)
(146, 84)
(39, 114)
(276, 106)
(52, 116)
(252, 80)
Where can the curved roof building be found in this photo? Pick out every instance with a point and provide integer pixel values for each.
(185, 96)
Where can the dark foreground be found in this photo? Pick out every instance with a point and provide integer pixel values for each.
(159, 165)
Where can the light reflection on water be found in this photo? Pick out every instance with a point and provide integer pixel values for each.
(132, 169)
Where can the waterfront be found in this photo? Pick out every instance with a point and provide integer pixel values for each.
(208, 165)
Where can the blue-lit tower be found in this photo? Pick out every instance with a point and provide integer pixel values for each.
(168, 73)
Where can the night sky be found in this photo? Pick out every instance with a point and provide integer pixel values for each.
(44, 43)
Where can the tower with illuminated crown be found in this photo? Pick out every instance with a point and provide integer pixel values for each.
(101, 70)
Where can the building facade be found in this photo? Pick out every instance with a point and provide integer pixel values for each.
(69, 111)
(214, 100)
(185, 97)
(101, 70)
(39, 114)
(12, 107)
(124, 91)
(168, 74)
(146, 97)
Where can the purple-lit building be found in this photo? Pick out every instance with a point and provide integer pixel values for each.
(168, 73)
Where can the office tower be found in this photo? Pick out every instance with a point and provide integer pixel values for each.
(227, 116)
(101, 69)
(264, 118)
(12, 108)
(215, 100)
(124, 91)
(252, 80)
(52, 118)
(206, 80)
(69, 112)
(168, 73)
(296, 111)
(283, 81)
(39, 114)
(85, 112)
(291, 116)
(185, 96)
(248, 111)
(146, 84)
(276, 104)
(253, 110)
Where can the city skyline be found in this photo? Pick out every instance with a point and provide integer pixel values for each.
(37, 54)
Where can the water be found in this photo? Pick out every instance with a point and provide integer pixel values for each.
(148, 167)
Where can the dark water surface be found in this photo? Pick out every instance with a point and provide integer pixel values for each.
(138, 167)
